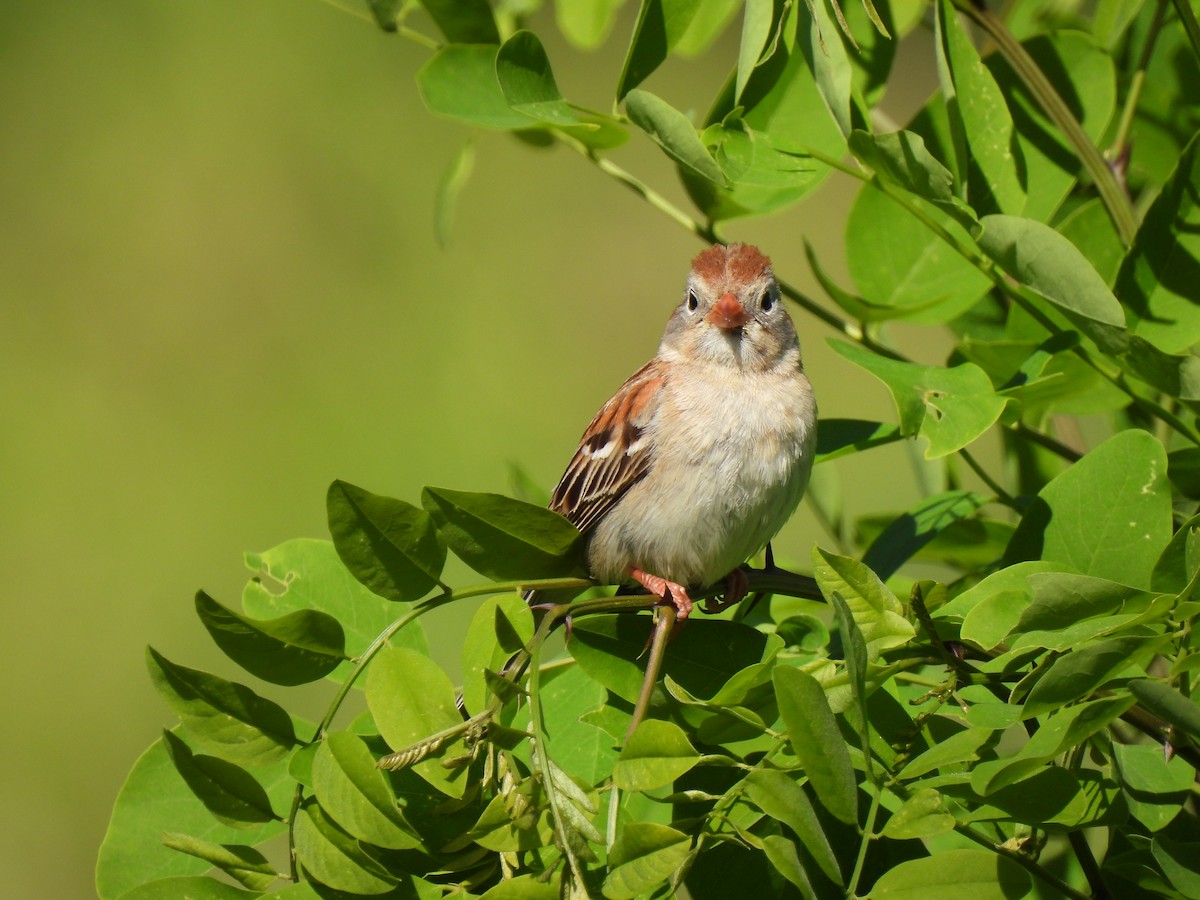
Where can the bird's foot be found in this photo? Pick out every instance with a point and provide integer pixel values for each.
(669, 591)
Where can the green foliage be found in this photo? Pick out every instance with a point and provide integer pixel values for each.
(969, 699)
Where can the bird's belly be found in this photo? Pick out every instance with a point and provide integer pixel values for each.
(728, 493)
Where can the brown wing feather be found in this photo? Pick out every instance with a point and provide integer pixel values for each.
(611, 457)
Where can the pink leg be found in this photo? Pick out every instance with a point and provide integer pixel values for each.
(668, 590)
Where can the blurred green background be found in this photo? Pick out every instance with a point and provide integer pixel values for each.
(220, 290)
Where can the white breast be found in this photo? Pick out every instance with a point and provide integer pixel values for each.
(731, 460)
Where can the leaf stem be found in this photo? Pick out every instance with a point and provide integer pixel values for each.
(868, 835)
(1188, 18)
(1002, 495)
(1120, 144)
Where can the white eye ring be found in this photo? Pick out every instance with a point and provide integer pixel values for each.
(766, 300)
(693, 302)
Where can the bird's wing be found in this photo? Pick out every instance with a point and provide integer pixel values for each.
(613, 454)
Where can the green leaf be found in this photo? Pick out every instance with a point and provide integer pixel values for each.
(412, 699)
(1168, 704)
(502, 538)
(1157, 279)
(897, 264)
(523, 70)
(1155, 788)
(294, 649)
(909, 532)
(357, 795)
(229, 792)
(976, 106)
(954, 875)
(155, 799)
(780, 101)
(710, 20)
(1049, 264)
(1108, 515)
(826, 56)
(923, 815)
(464, 21)
(1066, 728)
(661, 25)
(1086, 81)
(644, 855)
(1178, 860)
(655, 755)
(307, 574)
(783, 856)
(901, 158)
(1091, 230)
(960, 747)
(1068, 609)
(703, 657)
(222, 716)
(245, 864)
(817, 741)
(674, 133)
(781, 798)
(500, 627)
(389, 545)
(335, 858)
(193, 888)
(569, 700)
(759, 19)
(459, 82)
(873, 606)
(950, 407)
(1078, 673)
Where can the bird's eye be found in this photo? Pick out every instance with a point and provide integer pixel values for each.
(767, 300)
(693, 302)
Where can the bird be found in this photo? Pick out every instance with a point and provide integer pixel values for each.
(704, 452)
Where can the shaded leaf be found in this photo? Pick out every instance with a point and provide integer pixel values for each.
(661, 25)
(911, 531)
(1158, 277)
(308, 574)
(674, 133)
(781, 798)
(335, 858)
(155, 799)
(842, 437)
(294, 649)
(222, 716)
(1078, 673)
(817, 741)
(901, 158)
(783, 856)
(922, 815)
(354, 792)
(245, 864)
(464, 21)
(499, 628)
(502, 538)
(390, 546)
(228, 791)
(1168, 704)
(523, 70)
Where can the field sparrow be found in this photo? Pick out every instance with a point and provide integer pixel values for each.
(704, 453)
